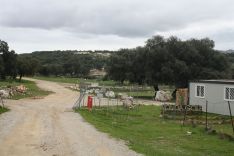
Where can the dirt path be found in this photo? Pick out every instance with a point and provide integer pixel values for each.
(48, 127)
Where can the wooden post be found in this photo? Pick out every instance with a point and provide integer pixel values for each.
(117, 101)
(137, 90)
(230, 111)
(174, 112)
(163, 110)
(99, 101)
(206, 114)
(137, 93)
(185, 111)
(83, 101)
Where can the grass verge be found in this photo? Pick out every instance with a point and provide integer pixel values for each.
(3, 109)
(145, 132)
(32, 89)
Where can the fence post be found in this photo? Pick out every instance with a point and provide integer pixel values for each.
(108, 101)
(83, 101)
(174, 112)
(206, 114)
(230, 111)
(137, 93)
(99, 100)
(185, 111)
(117, 101)
(137, 90)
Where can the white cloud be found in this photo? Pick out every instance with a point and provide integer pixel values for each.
(30, 25)
(221, 31)
(24, 40)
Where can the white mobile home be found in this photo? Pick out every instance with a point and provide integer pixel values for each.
(216, 92)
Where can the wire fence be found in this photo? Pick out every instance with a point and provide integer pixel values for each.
(215, 116)
(212, 115)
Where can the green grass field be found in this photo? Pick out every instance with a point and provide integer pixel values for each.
(32, 89)
(213, 120)
(75, 80)
(145, 132)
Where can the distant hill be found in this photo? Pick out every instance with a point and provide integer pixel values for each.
(228, 51)
(62, 56)
(71, 62)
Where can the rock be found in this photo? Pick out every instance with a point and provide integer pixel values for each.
(11, 93)
(97, 91)
(220, 122)
(103, 90)
(74, 87)
(100, 95)
(90, 91)
(163, 96)
(4, 94)
(21, 88)
(128, 102)
(110, 94)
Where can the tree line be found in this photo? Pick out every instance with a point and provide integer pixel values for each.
(66, 63)
(8, 61)
(169, 61)
(161, 60)
(46, 63)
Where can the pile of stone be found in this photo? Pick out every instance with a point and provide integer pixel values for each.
(127, 100)
(110, 94)
(6, 93)
(75, 87)
(21, 89)
(100, 92)
(163, 96)
(10, 91)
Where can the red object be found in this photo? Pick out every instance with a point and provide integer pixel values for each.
(90, 102)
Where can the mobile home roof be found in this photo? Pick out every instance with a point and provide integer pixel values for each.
(220, 81)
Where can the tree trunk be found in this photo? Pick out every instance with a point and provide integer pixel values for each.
(156, 88)
(21, 75)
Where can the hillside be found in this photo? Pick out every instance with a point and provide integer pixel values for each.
(69, 62)
(229, 51)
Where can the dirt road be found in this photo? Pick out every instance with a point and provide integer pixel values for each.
(47, 127)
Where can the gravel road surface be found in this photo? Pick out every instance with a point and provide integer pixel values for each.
(48, 127)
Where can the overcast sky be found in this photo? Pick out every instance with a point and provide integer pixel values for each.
(31, 25)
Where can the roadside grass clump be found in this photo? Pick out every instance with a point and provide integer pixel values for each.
(32, 89)
(3, 109)
(146, 132)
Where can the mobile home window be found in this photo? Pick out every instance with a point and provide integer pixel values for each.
(229, 93)
(200, 91)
